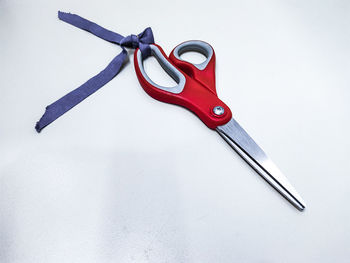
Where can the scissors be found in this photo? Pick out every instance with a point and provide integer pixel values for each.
(195, 90)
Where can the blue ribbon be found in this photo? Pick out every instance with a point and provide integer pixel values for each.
(64, 104)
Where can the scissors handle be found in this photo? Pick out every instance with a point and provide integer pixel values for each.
(195, 89)
(203, 72)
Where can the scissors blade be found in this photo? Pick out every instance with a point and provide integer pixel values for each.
(247, 148)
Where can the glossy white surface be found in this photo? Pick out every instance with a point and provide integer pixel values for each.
(124, 178)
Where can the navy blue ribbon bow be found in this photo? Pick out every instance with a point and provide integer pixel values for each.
(64, 104)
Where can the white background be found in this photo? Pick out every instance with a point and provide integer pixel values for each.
(124, 178)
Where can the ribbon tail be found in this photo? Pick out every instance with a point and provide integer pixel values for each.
(89, 26)
(64, 104)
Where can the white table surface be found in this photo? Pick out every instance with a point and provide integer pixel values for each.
(124, 178)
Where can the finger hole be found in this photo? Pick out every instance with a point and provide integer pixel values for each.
(193, 57)
(199, 49)
(157, 74)
(167, 68)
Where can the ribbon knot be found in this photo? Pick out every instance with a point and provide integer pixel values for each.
(141, 41)
(64, 104)
(131, 41)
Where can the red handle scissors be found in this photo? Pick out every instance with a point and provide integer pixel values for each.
(195, 90)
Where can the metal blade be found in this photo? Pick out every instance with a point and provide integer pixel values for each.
(245, 146)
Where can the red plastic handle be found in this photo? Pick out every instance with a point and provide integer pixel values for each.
(198, 93)
(205, 76)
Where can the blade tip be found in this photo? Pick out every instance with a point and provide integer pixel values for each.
(301, 207)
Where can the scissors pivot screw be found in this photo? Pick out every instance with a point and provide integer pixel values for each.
(218, 110)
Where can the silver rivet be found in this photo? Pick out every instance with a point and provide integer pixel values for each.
(218, 110)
